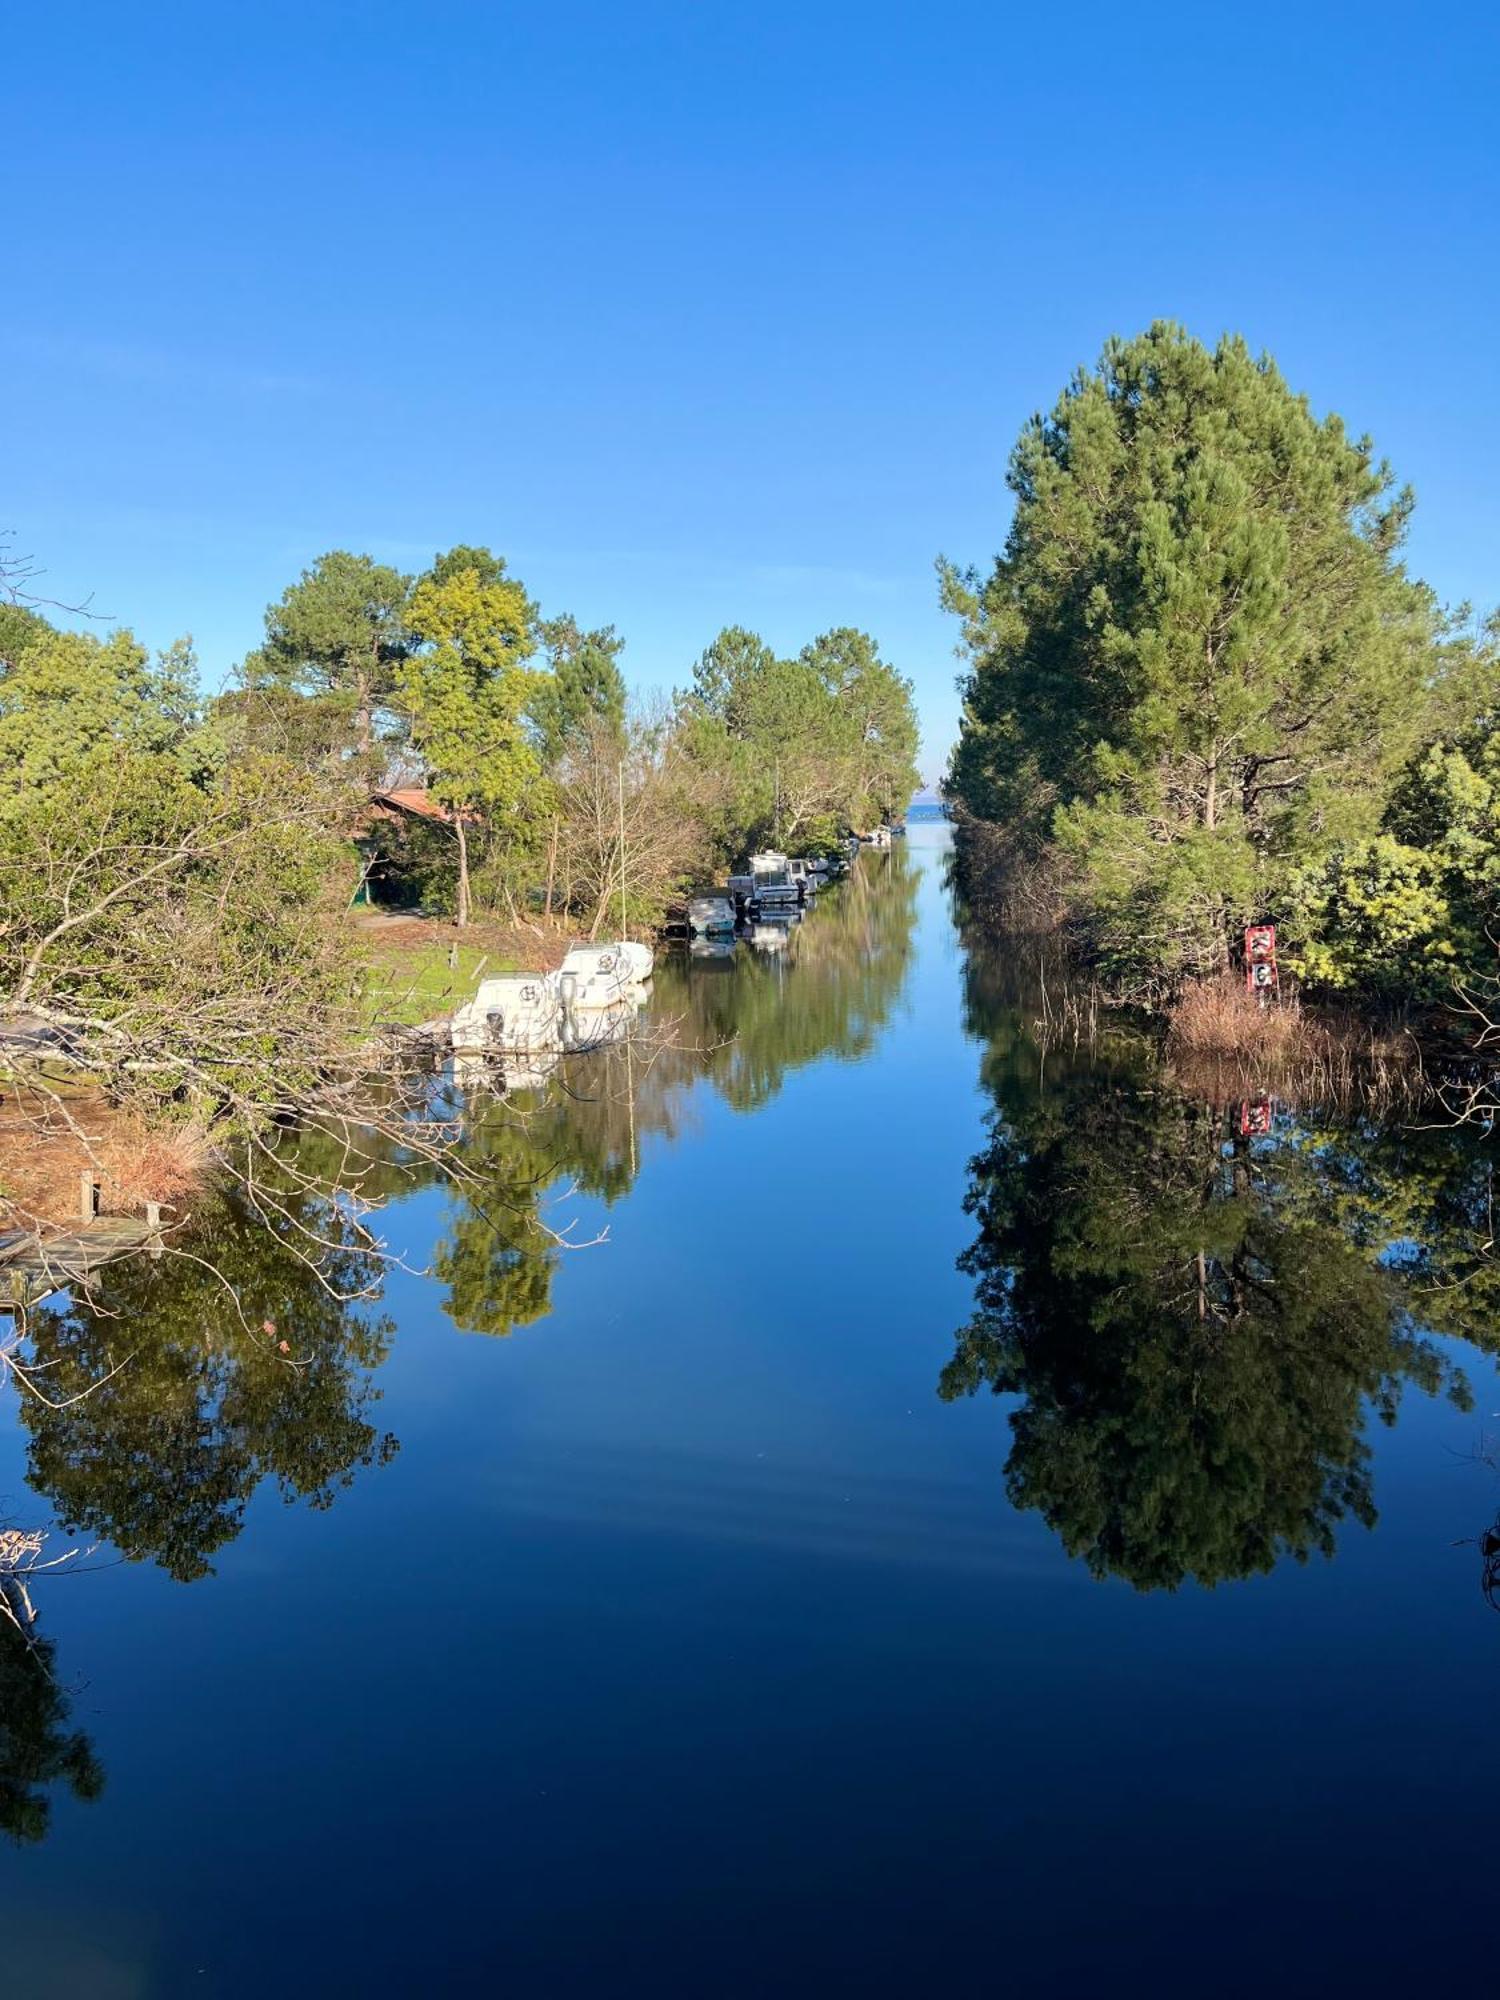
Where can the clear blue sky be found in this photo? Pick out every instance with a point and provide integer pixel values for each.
(702, 313)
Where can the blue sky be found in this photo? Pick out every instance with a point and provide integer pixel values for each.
(702, 313)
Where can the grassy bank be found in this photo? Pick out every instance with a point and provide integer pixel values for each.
(416, 969)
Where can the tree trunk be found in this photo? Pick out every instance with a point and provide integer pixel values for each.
(605, 892)
(551, 871)
(463, 868)
(365, 717)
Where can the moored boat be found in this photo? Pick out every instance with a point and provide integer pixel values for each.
(518, 1011)
(773, 887)
(710, 915)
(598, 975)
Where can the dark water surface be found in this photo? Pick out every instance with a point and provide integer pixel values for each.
(763, 1600)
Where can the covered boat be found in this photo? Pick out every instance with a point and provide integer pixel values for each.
(600, 975)
(773, 887)
(710, 915)
(519, 1011)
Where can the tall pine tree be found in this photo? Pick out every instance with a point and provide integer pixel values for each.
(1198, 661)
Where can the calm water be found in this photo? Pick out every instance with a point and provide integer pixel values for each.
(973, 1525)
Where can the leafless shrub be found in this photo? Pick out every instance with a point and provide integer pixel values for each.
(1013, 887)
(627, 836)
(22, 1561)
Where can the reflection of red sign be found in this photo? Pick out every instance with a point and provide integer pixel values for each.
(1255, 1118)
(1260, 958)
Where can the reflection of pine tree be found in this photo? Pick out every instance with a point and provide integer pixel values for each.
(37, 1749)
(1426, 1200)
(1192, 1325)
(162, 1456)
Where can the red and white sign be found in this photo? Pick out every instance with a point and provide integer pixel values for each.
(1260, 958)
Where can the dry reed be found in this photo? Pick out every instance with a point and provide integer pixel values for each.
(1222, 1038)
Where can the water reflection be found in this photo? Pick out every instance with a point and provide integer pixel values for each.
(1197, 1322)
(252, 1364)
(739, 1022)
(251, 1350)
(40, 1754)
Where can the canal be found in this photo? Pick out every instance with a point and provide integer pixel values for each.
(868, 1495)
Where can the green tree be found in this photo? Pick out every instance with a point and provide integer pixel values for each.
(337, 636)
(68, 695)
(726, 668)
(1372, 916)
(1414, 910)
(872, 722)
(466, 687)
(166, 902)
(1199, 662)
(798, 751)
(20, 627)
(584, 685)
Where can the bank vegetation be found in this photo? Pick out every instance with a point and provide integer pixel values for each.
(1204, 691)
(178, 965)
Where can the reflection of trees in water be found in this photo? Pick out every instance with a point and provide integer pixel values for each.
(1196, 1323)
(38, 1751)
(1489, 1555)
(162, 1456)
(753, 1021)
(255, 1365)
(742, 1025)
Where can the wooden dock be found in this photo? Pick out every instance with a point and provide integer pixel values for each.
(33, 1265)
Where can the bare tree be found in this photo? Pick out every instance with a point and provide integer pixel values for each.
(629, 839)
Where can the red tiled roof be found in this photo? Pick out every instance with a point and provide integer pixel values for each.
(414, 800)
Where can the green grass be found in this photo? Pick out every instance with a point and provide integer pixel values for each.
(407, 987)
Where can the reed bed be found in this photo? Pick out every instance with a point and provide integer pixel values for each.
(1223, 1040)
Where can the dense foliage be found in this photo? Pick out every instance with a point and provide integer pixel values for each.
(800, 750)
(1203, 689)
(175, 871)
(163, 903)
(521, 726)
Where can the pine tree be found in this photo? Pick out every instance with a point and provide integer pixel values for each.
(1199, 661)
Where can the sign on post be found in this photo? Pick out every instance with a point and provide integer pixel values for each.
(1255, 1115)
(1260, 959)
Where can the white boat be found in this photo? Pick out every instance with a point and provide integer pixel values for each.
(601, 1027)
(804, 874)
(599, 975)
(516, 1011)
(710, 916)
(773, 885)
(527, 1018)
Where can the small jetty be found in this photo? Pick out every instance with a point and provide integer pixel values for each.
(34, 1263)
